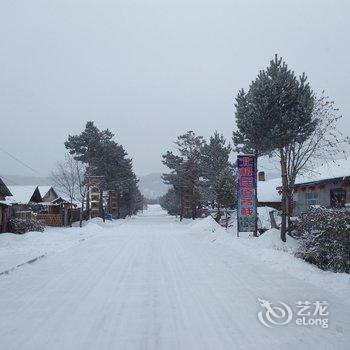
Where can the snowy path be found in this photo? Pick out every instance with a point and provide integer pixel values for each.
(150, 284)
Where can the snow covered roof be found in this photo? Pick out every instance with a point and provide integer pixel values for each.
(22, 194)
(44, 189)
(267, 191)
(336, 169)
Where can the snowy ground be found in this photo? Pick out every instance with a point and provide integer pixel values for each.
(151, 282)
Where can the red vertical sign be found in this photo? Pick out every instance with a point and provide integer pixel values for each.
(246, 193)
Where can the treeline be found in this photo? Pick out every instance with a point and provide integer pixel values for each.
(201, 174)
(96, 159)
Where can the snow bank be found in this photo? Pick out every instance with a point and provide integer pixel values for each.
(271, 239)
(269, 248)
(19, 249)
(280, 256)
(207, 227)
(207, 224)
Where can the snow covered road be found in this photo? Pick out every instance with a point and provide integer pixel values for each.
(150, 283)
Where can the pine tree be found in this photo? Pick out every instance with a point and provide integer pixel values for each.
(185, 168)
(215, 162)
(275, 113)
(107, 160)
(225, 189)
(86, 146)
(171, 202)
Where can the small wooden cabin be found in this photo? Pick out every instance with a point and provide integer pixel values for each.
(25, 200)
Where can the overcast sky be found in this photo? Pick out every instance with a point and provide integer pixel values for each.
(150, 70)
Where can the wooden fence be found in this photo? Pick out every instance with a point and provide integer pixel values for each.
(55, 220)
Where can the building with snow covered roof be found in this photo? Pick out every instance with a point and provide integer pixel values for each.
(268, 194)
(328, 186)
(25, 194)
(25, 200)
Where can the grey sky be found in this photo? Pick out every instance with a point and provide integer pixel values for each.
(150, 70)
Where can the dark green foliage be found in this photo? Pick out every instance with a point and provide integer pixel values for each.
(171, 202)
(107, 161)
(21, 226)
(225, 188)
(276, 110)
(201, 171)
(218, 172)
(86, 146)
(185, 168)
(325, 238)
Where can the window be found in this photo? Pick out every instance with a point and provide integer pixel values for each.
(311, 198)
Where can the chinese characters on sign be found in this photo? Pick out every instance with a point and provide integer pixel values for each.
(246, 193)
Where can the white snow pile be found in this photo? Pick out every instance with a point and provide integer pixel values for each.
(270, 249)
(19, 249)
(207, 226)
(271, 239)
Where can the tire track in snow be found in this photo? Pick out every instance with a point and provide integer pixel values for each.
(31, 261)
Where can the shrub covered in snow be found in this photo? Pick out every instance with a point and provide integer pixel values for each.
(23, 226)
(325, 238)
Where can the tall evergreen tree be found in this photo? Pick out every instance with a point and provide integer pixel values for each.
(215, 161)
(275, 113)
(185, 168)
(85, 147)
(225, 189)
(107, 161)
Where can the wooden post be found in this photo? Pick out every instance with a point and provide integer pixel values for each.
(272, 219)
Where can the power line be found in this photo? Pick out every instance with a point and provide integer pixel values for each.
(19, 161)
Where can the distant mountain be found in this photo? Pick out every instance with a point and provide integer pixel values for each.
(12, 180)
(152, 186)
